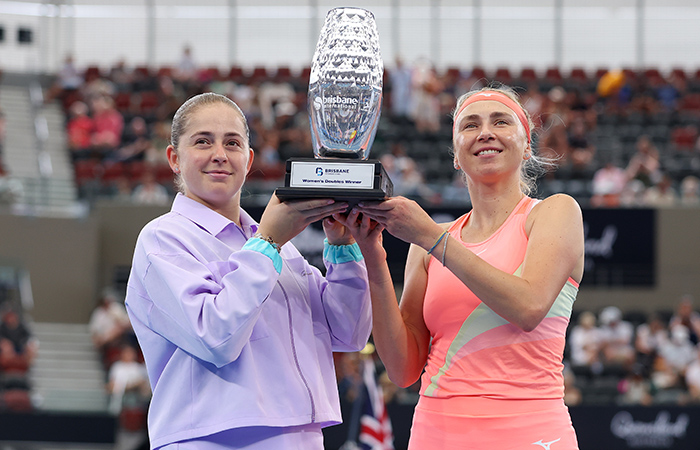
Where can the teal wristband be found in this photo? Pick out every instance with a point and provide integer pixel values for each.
(264, 247)
(338, 254)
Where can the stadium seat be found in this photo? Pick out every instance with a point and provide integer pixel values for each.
(235, 74)
(579, 74)
(684, 138)
(503, 75)
(92, 73)
(528, 75)
(679, 73)
(165, 71)
(85, 171)
(112, 171)
(553, 75)
(478, 72)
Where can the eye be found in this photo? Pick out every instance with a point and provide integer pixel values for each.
(234, 143)
(201, 141)
(468, 125)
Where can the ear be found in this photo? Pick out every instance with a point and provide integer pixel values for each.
(173, 159)
(251, 157)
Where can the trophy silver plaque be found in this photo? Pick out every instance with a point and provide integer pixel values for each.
(345, 98)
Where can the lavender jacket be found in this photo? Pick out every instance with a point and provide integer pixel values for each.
(232, 334)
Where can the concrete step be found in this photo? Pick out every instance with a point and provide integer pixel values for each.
(67, 374)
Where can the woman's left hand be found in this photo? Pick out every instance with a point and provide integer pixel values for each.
(336, 232)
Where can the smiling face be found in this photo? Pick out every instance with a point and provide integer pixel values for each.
(213, 156)
(489, 141)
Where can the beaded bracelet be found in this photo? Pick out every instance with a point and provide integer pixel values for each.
(437, 242)
(269, 240)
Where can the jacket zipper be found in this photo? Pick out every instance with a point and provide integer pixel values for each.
(294, 353)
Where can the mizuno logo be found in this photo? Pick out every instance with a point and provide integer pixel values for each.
(546, 445)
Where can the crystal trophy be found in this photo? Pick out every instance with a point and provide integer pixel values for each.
(345, 98)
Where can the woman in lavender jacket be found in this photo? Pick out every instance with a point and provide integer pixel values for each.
(236, 328)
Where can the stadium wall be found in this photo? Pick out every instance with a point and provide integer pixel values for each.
(71, 260)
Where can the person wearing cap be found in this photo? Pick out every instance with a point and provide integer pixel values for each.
(487, 298)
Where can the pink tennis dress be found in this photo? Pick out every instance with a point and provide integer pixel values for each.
(488, 384)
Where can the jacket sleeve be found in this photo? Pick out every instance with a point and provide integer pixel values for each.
(208, 309)
(345, 297)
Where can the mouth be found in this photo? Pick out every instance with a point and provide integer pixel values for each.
(218, 173)
(488, 152)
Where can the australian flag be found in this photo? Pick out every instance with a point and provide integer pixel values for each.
(375, 426)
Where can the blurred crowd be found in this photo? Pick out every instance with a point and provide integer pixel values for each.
(635, 358)
(18, 349)
(619, 138)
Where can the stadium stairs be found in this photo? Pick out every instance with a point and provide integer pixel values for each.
(34, 148)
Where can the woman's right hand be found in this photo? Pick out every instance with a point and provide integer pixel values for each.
(281, 221)
(367, 233)
(403, 218)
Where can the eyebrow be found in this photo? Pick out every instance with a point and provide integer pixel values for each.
(211, 134)
(493, 115)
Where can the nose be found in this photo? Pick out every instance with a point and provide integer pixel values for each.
(219, 155)
(486, 133)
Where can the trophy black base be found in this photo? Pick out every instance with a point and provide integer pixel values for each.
(347, 180)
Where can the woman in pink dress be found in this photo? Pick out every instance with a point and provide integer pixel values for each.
(486, 299)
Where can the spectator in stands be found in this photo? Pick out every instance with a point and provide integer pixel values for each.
(68, 82)
(400, 83)
(670, 91)
(662, 193)
(690, 191)
(674, 358)
(633, 194)
(649, 338)
(572, 394)
(160, 139)
(121, 76)
(349, 369)
(472, 329)
(553, 142)
(425, 89)
(687, 316)
(149, 191)
(616, 338)
(136, 142)
(122, 190)
(585, 343)
(644, 164)
(581, 151)
(186, 69)
(608, 185)
(79, 131)
(267, 164)
(635, 388)
(692, 378)
(109, 327)
(108, 126)
(18, 347)
(130, 392)
(126, 375)
(213, 292)
(270, 94)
